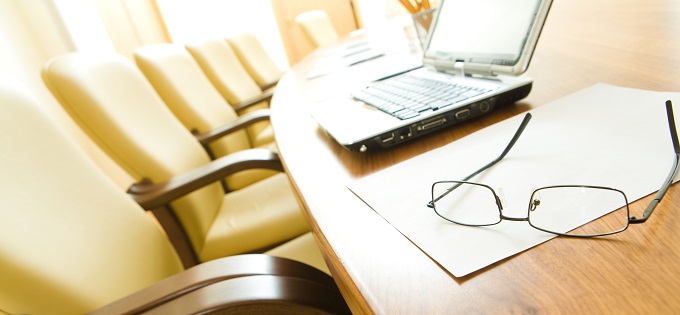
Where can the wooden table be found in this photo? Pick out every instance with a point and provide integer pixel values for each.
(631, 43)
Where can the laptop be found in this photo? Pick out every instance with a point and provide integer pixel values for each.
(474, 53)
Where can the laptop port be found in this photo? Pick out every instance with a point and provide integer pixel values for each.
(404, 133)
(462, 114)
(388, 138)
(431, 123)
(484, 106)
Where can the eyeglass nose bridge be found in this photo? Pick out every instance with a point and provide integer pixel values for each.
(503, 217)
(499, 201)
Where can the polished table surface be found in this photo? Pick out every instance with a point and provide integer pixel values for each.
(630, 43)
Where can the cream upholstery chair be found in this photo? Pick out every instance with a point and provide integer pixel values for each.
(186, 90)
(255, 59)
(71, 242)
(117, 107)
(219, 62)
(317, 27)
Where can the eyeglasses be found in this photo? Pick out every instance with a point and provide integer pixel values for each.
(553, 209)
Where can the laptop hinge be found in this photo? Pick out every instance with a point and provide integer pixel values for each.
(459, 67)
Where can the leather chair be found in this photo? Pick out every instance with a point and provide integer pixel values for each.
(117, 107)
(219, 62)
(71, 242)
(188, 93)
(317, 27)
(255, 59)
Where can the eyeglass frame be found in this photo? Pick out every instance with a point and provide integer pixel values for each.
(631, 219)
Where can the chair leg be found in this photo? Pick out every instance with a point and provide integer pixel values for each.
(178, 238)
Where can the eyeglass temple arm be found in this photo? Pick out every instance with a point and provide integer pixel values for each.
(662, 191)
(514, 139)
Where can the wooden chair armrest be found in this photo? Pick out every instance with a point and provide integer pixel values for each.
(238, 124)
(265, 294)
(265, 96)
(150, 195)
(191, 281)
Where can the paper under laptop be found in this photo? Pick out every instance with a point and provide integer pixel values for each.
(484, 44)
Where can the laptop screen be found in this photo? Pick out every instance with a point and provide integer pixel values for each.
(486, 31)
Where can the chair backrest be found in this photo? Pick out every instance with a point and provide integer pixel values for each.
(70, 240)
(317, 27)
(118, 108)
(188, 93)
(220, 63)
(255, 59)
(194, 100)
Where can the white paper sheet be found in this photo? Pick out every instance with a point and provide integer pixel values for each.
(602, 135)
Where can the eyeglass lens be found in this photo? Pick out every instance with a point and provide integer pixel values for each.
(469, 204)
(564, 210)
(592, 210)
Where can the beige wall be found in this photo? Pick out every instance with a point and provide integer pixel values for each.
(341, 13)
(132, 24)
(191, 20)
(195, 20)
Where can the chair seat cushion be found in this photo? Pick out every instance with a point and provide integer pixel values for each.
(244, 178)
(261, 132)
(262, 214)
(263, 137)
(304, 249)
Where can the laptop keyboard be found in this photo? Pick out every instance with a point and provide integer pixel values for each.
(407, 96)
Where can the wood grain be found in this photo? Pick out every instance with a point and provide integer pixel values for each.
(631, 43)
